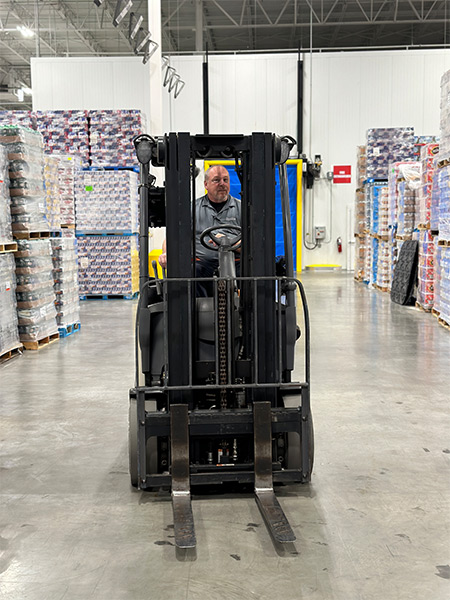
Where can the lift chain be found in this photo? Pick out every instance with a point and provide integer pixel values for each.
(222, 316)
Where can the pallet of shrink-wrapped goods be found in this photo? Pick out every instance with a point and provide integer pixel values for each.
(69, 168)
(361, 166)
(65, 132)
(107, 201)
(35, 294)
(52, 198)
(437, 280)
(9, 333)
(444, 287)
(108, 265)
(65, 282)
(372, 191)
(5, 212)
(409, 182)
(385, 146)
(428, 153)
(435, 199)
(360, 255)
(26, 179)
(362, 216)
(443, 179)
(367, 258)
(111, 134)
(383, 212)
(444, 141)
(18, 117)
(383, 266)
(425, 283)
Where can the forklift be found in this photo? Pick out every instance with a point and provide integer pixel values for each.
(214, 401)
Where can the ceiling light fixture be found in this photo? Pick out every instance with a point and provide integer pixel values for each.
(28, 91)
(170, 72)
(178, 87)
(20, 95)
(151, 49)
(134, 25)
(145, 39)
(121, 11)
(98, 2)
(25, 31)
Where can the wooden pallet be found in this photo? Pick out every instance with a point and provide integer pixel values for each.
(443, 163)
(444, 323)
(423, 226)
(444, 243)
(68, 225)
(11, 354)
(435, 313)
(404, 238)
(45, 341)
(424, 308)
(380, 289)
(8, 247)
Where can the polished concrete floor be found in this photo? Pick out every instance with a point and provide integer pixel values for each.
(373, 524)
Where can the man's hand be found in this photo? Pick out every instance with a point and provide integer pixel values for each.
(162, 259)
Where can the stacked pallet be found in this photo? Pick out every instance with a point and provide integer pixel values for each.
(111, 134)
(35, 295)
(26, 163)
(428, 153)
(65, 132)
(107, 203)
(9, 334)
(425, 284)
(65, 284)
(385, 146)
(69, 168)
(52, 197)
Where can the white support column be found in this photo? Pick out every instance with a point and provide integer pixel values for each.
(154, 25)
(154, 125)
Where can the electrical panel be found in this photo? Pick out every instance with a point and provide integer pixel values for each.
(319, 233)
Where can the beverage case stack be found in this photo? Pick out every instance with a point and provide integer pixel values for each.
(65, 282)
(35, 294)
(428, 154)
(111, 136)
(18, 117)
(26, 166)
(108, 265)
(9, 333)
(362, 216)
(69, 169)
(52, 197)
(65, 132)
(385, 146)
(426, 276)
(107, 202)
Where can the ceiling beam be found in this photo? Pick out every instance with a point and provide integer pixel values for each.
(70, 18)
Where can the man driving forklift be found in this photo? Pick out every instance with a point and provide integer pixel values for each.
(215, 208)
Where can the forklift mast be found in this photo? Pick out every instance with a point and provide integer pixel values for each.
(218, 404)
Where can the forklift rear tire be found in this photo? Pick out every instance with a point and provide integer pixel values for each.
(294, 450)
(151, 449)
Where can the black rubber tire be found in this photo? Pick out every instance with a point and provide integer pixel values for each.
(405, 274)
(294, 450)
(151, 449)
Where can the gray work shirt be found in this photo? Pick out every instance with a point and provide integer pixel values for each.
(206, 216)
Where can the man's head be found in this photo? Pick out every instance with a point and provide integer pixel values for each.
(217, 183)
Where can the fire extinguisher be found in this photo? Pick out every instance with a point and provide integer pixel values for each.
(339, 244)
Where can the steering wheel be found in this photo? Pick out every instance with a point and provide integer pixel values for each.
(233, 244)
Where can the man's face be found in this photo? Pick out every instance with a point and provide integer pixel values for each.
(218, 184)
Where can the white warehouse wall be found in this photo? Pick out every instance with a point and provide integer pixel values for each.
(91, 84)
(351, 92)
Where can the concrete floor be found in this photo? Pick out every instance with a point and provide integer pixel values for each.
(373, 524)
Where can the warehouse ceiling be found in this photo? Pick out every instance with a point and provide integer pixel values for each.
(85, 28)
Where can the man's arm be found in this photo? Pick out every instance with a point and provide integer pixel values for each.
(162, 258)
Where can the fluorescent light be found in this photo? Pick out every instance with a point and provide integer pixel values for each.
(19, 94)
(98, 2)
(141, 44)
(134, 29)
(178, 87)
(152, 48)
(121, 11)
(25, 31)
(28, 91)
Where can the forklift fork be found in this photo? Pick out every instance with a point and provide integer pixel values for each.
(265, 496)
